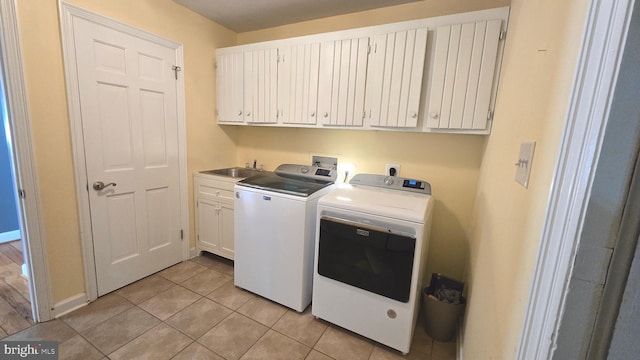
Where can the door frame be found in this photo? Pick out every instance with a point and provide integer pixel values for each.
(67, 13)
(605, 31)
(30, 213)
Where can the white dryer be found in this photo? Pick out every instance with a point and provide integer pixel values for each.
(372, 238)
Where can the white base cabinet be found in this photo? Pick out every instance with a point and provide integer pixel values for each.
(213, 198)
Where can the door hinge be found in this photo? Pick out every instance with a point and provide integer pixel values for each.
(181, 234)
(175, 69)
(490, 115)
(503, 34)
(21, 193)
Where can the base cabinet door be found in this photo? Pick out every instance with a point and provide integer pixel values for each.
(225, 227)
(208, 232)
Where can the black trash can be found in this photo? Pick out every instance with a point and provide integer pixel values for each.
(441, 317)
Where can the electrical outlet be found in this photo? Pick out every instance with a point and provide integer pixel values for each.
(393, 170)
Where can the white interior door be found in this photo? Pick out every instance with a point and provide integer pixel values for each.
(128, 100)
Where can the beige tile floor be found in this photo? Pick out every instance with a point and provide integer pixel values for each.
(193, 311)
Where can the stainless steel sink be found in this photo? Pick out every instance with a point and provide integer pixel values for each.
(234, 172)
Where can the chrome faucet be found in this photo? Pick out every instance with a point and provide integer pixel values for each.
(254, 163)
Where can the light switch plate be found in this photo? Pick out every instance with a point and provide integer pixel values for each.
(523, 165)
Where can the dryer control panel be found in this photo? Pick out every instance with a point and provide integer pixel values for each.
(392, 182)
(413, 184)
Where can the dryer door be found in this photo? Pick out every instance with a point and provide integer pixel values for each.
(368, 257)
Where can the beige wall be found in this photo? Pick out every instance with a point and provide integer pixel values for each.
(538, 68)
(208, 145)
(450, 163)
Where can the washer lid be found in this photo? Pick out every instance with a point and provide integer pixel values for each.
(401, 205)
(298, 180)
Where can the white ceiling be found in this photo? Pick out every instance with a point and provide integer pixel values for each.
(248, 15)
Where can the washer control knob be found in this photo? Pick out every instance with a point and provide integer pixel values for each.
(388, 180)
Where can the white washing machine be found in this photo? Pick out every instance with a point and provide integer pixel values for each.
(372, 238)
(274, 232)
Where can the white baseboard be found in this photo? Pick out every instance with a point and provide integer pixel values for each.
(69, 304)
(10, 236)
(193, 252)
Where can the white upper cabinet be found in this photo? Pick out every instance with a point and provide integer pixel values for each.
(261, 86)
(298, 75)
(343, 71)
(463, 74)
(394, 83)
(437, 74)
(230, 84)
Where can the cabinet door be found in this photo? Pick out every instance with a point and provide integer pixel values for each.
(343, 70)
(298, 75)
(225, 218)
(395, 81)
(463, 73)
(260, 86)
(208, 228)
(229, 81)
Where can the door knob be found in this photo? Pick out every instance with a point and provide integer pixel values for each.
(99, 185)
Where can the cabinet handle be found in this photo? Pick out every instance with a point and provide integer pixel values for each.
(313, 114)
(326, 115)
(433, 114)
(414, 115)
(240, 113)
(249, 113)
